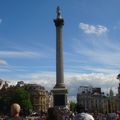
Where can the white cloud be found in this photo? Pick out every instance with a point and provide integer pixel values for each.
(72, 81)
(104, 81)
(91, 29)
(3, 62)
(101, 51)
(19, 54)
(102, 55)
(4, 70)
(1, 20)
(102, 70)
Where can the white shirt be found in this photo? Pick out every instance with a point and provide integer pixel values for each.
(84, 116)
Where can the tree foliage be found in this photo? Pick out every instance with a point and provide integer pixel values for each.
(5, 104)
(15, 95)
(72, 106)
(22, 97)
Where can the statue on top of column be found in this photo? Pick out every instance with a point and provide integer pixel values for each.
(58, 13)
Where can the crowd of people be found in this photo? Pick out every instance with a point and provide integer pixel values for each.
(57, 113)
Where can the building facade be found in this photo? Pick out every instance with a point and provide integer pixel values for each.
(92, 99)
(41, 99)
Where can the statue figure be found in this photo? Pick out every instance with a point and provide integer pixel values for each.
(118, 77)
(58, 13)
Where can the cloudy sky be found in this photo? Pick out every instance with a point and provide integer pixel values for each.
(91, 42)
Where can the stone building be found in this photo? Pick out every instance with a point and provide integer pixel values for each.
(118, 95)
(92, 99)
(41, 99)
(3, 84)
(112, 101)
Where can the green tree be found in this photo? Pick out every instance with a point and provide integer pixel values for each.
(22, 97)
(4, 102)
(72, 106)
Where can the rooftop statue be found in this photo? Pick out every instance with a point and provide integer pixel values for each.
(118, 77)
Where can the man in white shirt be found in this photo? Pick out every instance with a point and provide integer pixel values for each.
(82, 115)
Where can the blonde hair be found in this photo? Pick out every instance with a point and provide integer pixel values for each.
(15, 108)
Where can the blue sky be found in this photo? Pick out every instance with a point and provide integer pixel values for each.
(91, 42)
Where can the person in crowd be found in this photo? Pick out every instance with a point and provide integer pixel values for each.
(51, 114)
(15, 112)
(81, 114)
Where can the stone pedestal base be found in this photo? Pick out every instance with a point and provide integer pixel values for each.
(57, 113)
(59, 97)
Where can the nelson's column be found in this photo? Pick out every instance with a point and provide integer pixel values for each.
(59, 91)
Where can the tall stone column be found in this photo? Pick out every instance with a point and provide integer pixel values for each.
(59, 91)
(59, 22)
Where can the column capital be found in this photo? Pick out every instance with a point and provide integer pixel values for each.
(58, 22)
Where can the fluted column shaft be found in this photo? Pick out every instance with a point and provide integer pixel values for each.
(59, 58)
